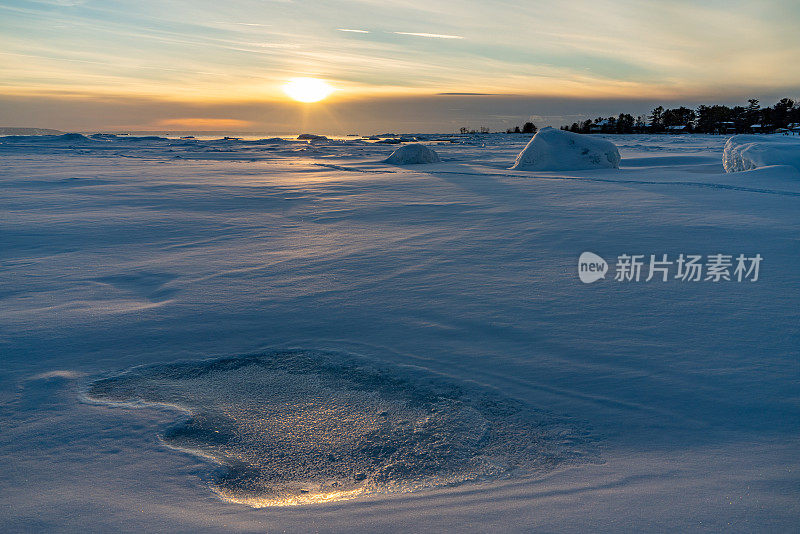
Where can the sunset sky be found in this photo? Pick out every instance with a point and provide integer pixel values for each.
(405, 64)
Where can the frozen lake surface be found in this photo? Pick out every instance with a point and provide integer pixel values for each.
(195, 333)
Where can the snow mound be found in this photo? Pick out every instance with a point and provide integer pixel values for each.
(557, 150)
(302, 427)
(747, 152)
(412, 154)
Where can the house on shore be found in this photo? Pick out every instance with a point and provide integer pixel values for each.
(761, 128)
(677, 129)
(726, 127)
(599, 126)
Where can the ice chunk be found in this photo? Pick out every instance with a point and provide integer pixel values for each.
(411, 154)
(297, 427)
(557, 150)
(311, 137)
(746, 152)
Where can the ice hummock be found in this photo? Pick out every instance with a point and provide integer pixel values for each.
(412, 154)
(747, 152)
(557, 150)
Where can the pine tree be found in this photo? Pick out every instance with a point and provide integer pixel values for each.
(656, 117)
(752, 112)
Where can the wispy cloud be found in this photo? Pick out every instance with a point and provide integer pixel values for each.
(430, 35)
(468, 94)
(242, 49)
(245, 24)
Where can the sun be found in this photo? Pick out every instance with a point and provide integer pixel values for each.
(307, 89)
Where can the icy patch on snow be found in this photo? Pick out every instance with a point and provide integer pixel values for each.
(557, 150)
(746, 152)
(301, 427)
(412, 154)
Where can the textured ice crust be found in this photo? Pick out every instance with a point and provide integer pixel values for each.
(300, 427)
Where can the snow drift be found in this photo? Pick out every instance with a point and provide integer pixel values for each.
(557, 150)
(412, 154)
(746, 152)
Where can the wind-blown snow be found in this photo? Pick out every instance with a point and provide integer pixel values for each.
(412, 154)
(747, 152)
(557, 150)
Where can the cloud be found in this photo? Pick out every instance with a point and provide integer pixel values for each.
(430, 35)
(245, 49)
(245, 24)
(468, 94)
(65, 3)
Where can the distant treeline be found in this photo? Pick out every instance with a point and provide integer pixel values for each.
(705, 119)
(528, 128)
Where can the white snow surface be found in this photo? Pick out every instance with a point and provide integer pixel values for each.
(557, 150)
(412, 154)
(747, 152)
(139, 276)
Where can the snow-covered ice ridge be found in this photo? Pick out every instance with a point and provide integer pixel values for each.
(748, 152)
(302, 427)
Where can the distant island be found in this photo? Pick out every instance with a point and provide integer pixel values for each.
(29, 131)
